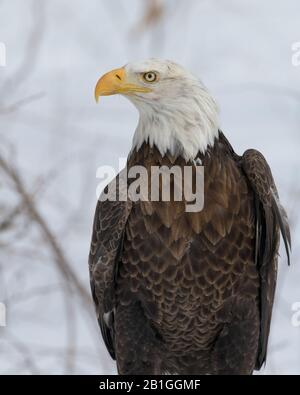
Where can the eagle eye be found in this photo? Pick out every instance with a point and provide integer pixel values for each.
(150, 76)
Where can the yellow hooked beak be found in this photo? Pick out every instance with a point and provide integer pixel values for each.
(116, 82)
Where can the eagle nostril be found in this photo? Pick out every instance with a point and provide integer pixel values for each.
(117, 75)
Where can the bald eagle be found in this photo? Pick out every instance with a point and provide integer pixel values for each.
(186, 292)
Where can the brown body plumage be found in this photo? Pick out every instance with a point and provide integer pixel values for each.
(190, 293)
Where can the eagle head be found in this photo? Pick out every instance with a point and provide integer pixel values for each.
(177, 113)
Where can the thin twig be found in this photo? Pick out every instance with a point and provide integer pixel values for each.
(62, 263)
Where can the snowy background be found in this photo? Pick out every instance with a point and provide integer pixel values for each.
(53, 137)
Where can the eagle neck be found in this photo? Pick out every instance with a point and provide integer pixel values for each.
(183, 129)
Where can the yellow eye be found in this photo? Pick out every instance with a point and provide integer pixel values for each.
(150, 76)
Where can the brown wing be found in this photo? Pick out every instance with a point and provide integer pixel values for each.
(270, 220)
(107, 238)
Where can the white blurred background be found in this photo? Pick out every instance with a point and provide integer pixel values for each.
(53, 137)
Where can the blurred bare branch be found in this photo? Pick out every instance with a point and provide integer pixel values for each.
(154, 11)
(62, 263)
(25, 353)
(20, 103)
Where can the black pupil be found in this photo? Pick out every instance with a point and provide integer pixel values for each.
(150, 76)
